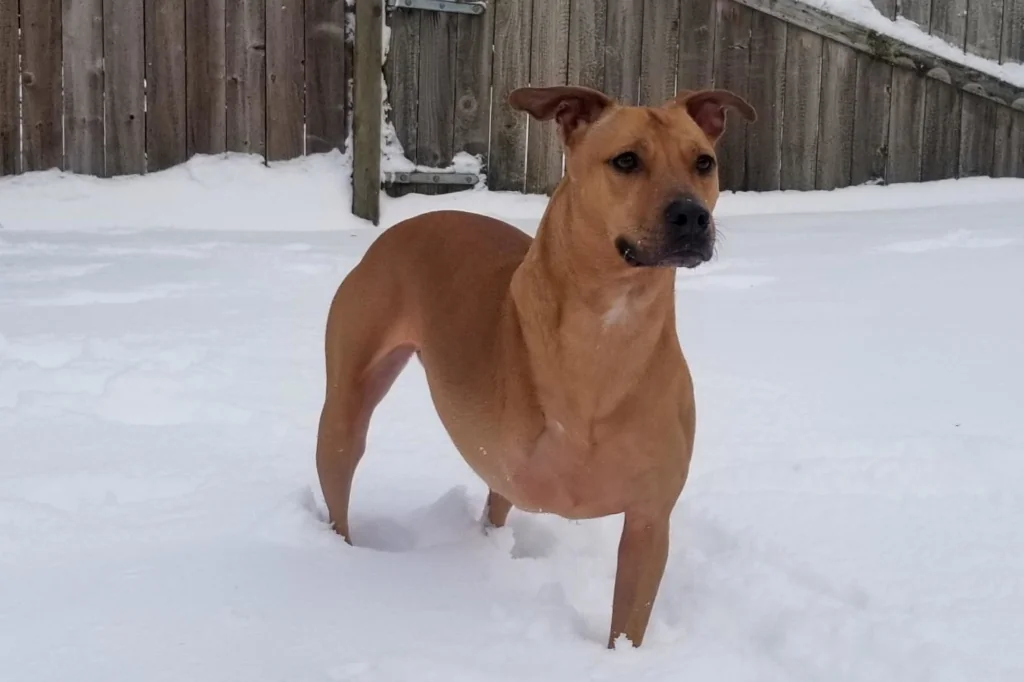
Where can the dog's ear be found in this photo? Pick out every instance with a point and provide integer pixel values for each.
(707, 109)
(572, 107)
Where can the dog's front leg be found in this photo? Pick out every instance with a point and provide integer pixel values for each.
(643, 553)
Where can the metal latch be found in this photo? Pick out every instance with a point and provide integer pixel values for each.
(455, 6)
(425, 178)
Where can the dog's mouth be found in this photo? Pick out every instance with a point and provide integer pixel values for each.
(686, 257)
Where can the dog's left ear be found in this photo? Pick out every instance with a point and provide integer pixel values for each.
(572, 107)
(707, 109)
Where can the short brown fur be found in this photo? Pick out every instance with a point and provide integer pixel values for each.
(553, 362)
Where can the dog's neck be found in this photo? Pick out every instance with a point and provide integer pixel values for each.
(589, 321)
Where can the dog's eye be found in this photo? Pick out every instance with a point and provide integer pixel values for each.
(705, 163)
(626, 162)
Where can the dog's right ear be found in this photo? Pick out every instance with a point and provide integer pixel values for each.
(572, 107)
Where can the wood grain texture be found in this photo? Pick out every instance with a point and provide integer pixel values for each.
(836, 116)
(246, 77)
(732, 70)
(887, 49)
(623, 49)
(513, 22)
(285, 79)
(165, 78)
(82, 31)
(549, 65)
(917, 11)
(871, 120)
(977, 136)
(697, 30)
(886, 7)
(327, 73)
(765, 92)
(205, 72)
(659, 51)
(588, 25)
(1009, 143)
(1013, 32)
(436, 93)
(940, 153)
(124, 87)
(401, 73)
(366, 119)
(801, 111)
(42, 103)
(10, 74)
(949, 20)
(473, 45)
(906, 127)
(984, 27)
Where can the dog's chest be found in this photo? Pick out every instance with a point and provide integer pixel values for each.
(565, 477)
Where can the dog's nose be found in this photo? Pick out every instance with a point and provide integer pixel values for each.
(687, 215)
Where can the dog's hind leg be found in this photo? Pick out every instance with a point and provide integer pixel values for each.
(364, 357)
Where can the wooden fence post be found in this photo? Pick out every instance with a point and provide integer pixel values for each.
(366, 115)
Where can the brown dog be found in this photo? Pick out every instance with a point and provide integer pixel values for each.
(553, 363)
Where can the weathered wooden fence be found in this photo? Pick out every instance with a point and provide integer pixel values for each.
(839, 104)
(113, 87)
(993, 29)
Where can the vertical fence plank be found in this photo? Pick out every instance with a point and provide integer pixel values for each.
(949, 21)
(838, 107)
(765, 93)
(285, 79)
(906, 126)
(549, 65)
(659, 57)
(124, 60)
(940, 154)
(588, 25)
(43, 146)
(512, 30)
(473, 51)
(366, 118)
(326, 76)
(1013, 32)
(732, 68)
(436, 94)
(917, 11)
(984, 27)
(871, 120)
(801, 111)
(165, 83)
(623, 40)
(697, 26)
(10, 139)
(401, 73)
(205, 96)
(246, 77)
(977, 136)
(1009, 147)
(82, 31)
(886, 7)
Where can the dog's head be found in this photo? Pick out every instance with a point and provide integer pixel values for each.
(646, 178)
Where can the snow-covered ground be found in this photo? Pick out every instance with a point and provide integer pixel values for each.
(854, 510)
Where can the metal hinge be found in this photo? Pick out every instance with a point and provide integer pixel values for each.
(425, 178)
(455, 6)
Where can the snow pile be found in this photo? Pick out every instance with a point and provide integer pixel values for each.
(852, 514)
